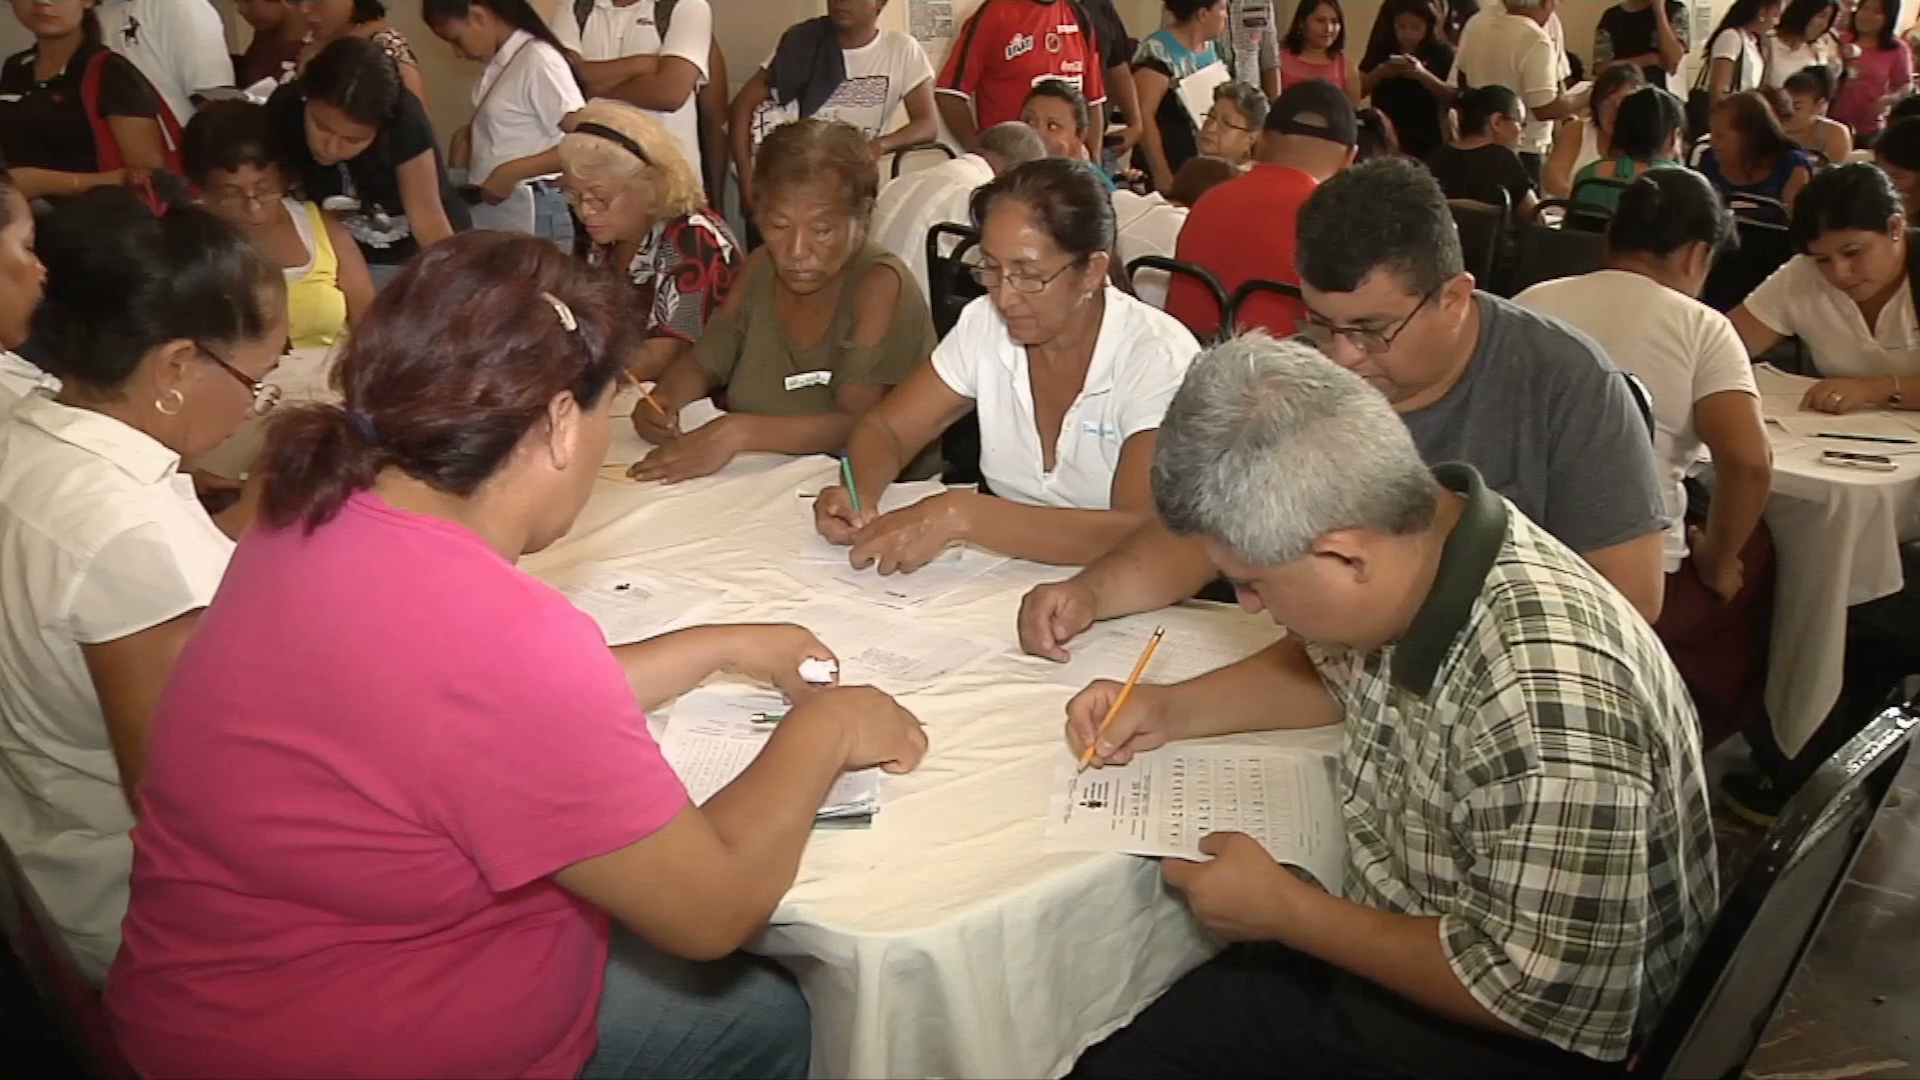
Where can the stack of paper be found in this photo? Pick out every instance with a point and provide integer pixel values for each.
(1165, 801)
(894, 654)
(632, 607)
(715, 734)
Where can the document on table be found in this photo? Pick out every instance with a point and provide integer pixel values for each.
(887, 651)
(1780, 397)
(1195, 643)
(817, 549)
(942, 576)
(632, 607)
(715, 734)
(1164, 801)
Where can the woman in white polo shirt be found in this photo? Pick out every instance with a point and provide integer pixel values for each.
(161, 332)
(527, 87)
(1846, 295)
(1070, 377)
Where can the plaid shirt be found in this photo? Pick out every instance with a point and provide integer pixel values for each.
(1524, 764)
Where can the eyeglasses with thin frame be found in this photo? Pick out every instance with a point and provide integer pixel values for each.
(990, 277)
(238, 197)
(265, 394)
(590, 204)
(1367, 340)
(1213, 117)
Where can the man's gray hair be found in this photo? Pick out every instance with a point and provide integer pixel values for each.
(1269, 445)
(1013, 142)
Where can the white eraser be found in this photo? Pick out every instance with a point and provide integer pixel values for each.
(819, 671)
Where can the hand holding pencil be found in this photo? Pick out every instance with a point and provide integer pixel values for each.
(1109, 722)
(652, 420)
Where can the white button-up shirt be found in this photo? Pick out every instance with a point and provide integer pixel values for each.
(918, 201)
(179, 45)
(615, 30)
(1139, 359)
(18, 378)
(523, 93)
(101, 537)
(1797, 301)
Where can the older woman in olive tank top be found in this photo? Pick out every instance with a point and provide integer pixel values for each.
(820, 327)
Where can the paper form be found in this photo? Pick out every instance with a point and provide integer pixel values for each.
(1780, 397)
(1195, 643)
(714, 736)
(882, 650)
(942, 576)
(1164, 801)
(632, 607)
(817, 549)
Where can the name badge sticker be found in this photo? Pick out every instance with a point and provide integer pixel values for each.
(808, 378)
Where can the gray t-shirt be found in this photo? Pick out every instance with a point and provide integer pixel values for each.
(1551, 424)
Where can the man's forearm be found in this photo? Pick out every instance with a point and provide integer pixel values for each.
(957, 112)
(1148, 571)
(1275, 689)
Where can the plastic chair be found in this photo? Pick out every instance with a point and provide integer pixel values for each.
(951, 288)
(1773, 913)
(1251, 288)
(50, 966)
(1484, 228)
(1550, 249)
(900, 155)
(1175, 268)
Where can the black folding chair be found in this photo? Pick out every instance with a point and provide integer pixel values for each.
(1176, 268)
(951, 288)
(900, 155)
(1758, 208)
(1484, 228)
(1251, 288)
(1763, 247)
(1773, 913)
(1553, 246)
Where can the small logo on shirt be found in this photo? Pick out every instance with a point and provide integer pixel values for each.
(1097, 430)
(131, 31)
(1021, 45)
(1053, 42)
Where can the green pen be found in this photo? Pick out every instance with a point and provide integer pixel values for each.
(767, 717)
(846, 478)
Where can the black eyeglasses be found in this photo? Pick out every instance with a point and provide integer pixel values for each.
(1213, 117)
(265, 394)
(990, 277)
(1321, 332)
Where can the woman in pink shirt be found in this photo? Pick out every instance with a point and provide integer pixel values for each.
(1316, 48)
(1879, 71)
(396, 787)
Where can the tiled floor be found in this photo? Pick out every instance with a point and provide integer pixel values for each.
(1854, 1009)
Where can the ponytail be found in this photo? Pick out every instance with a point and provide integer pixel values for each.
(455, 362)
(518, 14)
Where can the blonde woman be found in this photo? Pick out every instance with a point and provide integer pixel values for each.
(644, 209)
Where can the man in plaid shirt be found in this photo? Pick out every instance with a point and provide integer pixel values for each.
(1530, 855)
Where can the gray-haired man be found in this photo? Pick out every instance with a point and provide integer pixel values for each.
(1530, 854)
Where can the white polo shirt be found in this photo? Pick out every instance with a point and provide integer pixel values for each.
(101, 537)
(18, 378)
(1139, 359)
(179, 45)
(1147, 225)
(1500, 49)
(614, 30)
(523, 93)
(1796, 301)
(918, 201)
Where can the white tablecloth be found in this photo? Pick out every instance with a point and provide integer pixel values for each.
(1837, 534)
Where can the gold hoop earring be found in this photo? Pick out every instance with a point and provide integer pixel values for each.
(179, 401)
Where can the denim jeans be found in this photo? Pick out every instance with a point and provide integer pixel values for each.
(663, 1016)
(552, 218)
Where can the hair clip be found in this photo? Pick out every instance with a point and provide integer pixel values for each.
(560, 308)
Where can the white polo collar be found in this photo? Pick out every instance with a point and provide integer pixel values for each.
(131, 450)
(1100, 371)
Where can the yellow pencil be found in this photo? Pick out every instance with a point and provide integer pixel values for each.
(1126, 692)
(648, 398)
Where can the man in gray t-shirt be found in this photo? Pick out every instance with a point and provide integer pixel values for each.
(1531, 403)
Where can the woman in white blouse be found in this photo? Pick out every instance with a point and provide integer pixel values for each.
(21, 279)
(526, 89)
(161, 332)
(1846, 296)
(1737, 51)
(1069, 376)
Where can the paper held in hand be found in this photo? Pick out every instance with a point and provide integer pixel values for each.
(1163, 802)
(715, 734)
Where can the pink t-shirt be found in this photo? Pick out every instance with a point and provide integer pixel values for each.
(1295, 68)
(1871, 76)
(380, 742)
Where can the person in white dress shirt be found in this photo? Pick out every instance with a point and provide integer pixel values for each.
(1846, 295)
(656, 54)
(1069, 375)
(22, 279)
(163, 332)
(912, 204)
(179, 45)
(1150, 224)
(527, 87)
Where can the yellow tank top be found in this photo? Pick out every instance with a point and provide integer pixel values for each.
(316, 308)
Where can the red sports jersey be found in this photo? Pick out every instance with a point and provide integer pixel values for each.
(1008, 47)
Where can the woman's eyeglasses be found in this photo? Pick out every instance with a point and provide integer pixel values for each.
(265, 394)
(1214, 119)
(989, 278)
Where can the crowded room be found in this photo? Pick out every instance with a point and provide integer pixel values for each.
(1110, 539)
